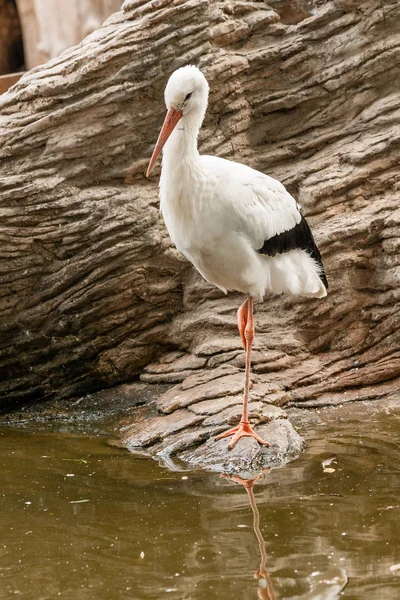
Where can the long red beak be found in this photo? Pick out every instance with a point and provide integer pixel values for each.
(170, 121)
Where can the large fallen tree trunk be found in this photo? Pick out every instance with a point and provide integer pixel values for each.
(93, 294)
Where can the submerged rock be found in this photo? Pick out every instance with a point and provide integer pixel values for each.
(248, 457)
(186, 437)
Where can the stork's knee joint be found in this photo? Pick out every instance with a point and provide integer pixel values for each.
(249, 334)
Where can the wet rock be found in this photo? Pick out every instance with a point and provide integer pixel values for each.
(247, 456)
(146, 433)
(257, 410)
(171, 448)
(186, 437)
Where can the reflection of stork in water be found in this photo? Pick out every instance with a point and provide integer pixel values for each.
(264, 589)
(324, 586)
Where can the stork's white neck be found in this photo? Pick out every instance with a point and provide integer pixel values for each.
(180, 154)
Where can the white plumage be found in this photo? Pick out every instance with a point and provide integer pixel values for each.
(220, 214)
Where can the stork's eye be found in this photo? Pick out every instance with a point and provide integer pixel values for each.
(188, 96)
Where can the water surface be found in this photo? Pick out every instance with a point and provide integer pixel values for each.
(82, 520)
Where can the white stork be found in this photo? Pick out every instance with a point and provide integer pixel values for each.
(241, 229)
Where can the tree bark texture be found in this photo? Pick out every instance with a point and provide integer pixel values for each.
(93, 293)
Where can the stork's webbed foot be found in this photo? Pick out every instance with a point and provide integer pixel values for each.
(244, 429)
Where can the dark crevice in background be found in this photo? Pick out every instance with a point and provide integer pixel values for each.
(11, 44)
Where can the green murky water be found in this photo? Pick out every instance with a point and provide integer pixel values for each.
(81, 520)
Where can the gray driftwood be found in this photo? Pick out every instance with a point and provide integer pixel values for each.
(92, 292)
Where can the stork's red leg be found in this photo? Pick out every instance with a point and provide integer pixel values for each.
(246, 330)
(242, 320)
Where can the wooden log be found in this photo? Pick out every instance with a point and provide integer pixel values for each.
(91, 291)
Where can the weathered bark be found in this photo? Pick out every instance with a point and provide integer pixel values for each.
(50, 26)
(92, 291)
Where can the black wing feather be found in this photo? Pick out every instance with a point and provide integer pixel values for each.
(297, 238)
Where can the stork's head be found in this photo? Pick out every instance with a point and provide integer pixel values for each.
(187, 90)
(186, 95)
